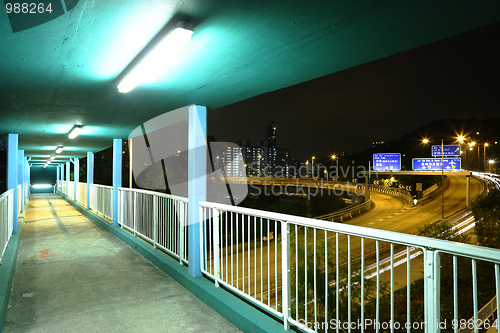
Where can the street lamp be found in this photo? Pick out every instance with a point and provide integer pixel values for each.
(334, 157)
(312, 167)
(326, 173)
(307, 168)
(442, 175)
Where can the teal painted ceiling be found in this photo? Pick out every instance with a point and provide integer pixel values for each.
(61, 68)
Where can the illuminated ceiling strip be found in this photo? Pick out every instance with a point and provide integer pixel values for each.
(173, 41)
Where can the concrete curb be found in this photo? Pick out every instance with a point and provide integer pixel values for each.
(237, 311)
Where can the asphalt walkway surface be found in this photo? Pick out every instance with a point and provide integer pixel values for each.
(72, 276)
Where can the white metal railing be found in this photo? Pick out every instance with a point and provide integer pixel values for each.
(392, 191)
(63, 187)
(81, 193)
(71, 189)
(307, 271)
(159, 218)
(101, 199)
(6, 219)
(345, 212)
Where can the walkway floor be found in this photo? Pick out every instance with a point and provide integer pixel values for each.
(72, 276)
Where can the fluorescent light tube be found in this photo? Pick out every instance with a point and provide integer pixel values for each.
(59, 149)
(148, 69)
(77, 129)
(42, 185)
(52, 157)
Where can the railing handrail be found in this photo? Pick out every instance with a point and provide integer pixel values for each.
(345, 211)
(5, 194)
(103, 186)
(444, 246)
(164, 195)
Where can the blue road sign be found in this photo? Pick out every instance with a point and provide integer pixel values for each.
(449, 150)
(387, 161)
(435, 164)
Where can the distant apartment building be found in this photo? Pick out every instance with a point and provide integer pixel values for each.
(265, 159)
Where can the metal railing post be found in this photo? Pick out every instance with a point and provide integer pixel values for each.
(182, 207)
(155, 220)
(285, 273)
(215, 243)
(432, 290)
(135, 213)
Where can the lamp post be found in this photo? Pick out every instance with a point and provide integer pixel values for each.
(307, 169)
(326, 173)
(334, 157)
(425, 141)
(312, 167)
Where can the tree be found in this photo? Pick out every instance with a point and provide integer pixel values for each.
(487, 216)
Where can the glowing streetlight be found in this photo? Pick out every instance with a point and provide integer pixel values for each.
(326, 173)
(334, 157)
(312, 166)
(442, 174)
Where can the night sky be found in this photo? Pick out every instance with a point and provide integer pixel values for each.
(382, 100)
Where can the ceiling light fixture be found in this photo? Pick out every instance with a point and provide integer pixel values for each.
(59, 149)
(173, 41)
(52, 157)
(77, 129)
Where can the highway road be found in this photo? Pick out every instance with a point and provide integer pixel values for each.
(391, 213)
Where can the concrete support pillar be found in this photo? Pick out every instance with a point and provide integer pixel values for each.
(67, 177)
(58, 178)
(117, 176)
(90, 175)
(197, 184)
(12, 168)
(76, 174)
(20, 177)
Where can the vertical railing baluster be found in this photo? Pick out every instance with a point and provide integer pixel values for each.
(261, 259)
(326, 280)
(377, 300)
(349, 282)
(255, 256)
(455, 293)
(408, 289)
(474, 294)
(248, 255)
(268, 267)
(305, 275)
(285, 273)
(314, 284)
(392, 287)
(337, 281)
(232, 260)
(497, 284)
(216, 222)
(296, 274)
(362, 284)
(238, 251)
(276, 262)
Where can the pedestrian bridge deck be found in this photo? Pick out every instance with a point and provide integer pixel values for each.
(73, 276)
